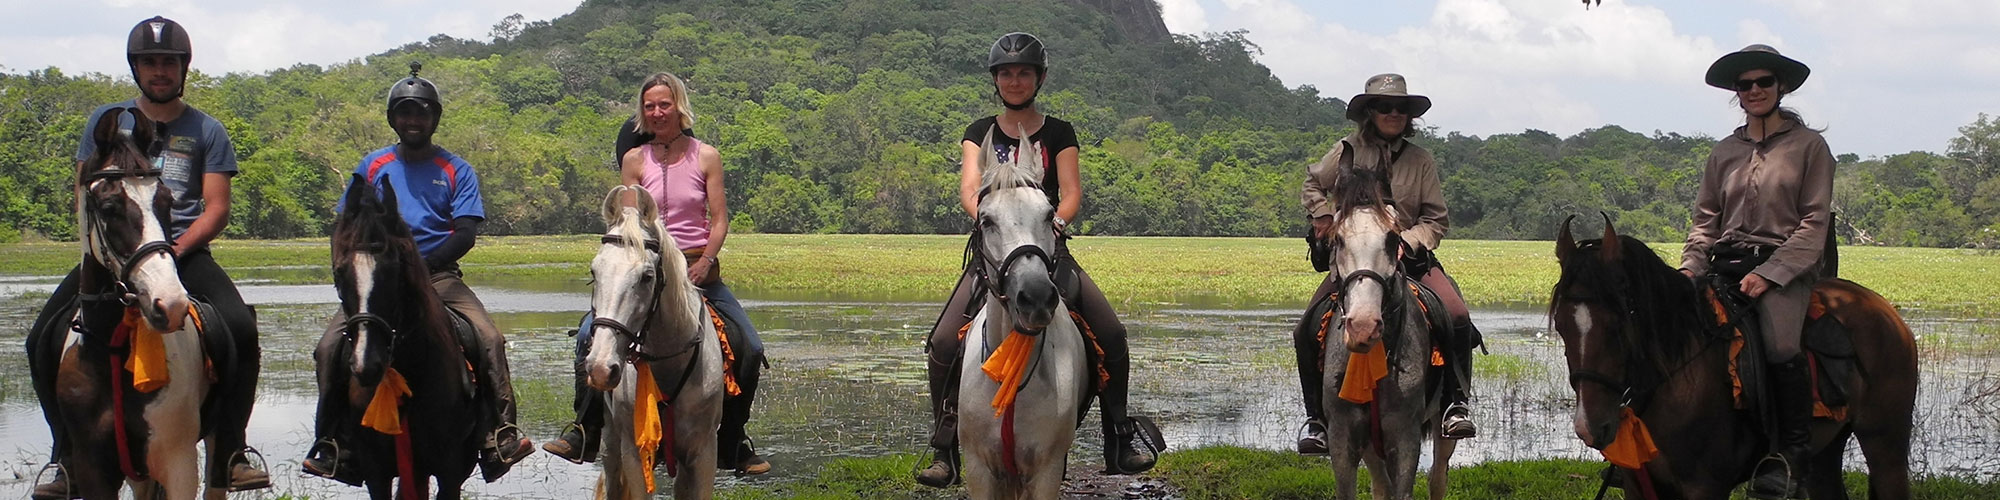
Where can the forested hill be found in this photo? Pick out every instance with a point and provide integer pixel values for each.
(843, 116)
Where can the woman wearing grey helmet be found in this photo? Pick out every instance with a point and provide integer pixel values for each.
(1019, 64)
(1775, 245)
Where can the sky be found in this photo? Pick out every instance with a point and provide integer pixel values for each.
(1888, 76)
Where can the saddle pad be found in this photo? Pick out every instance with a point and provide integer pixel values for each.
(1829, 354)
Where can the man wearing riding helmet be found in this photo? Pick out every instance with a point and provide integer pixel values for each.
(196, 160)
(438, 195)
(1383, 113)
(1019, 65)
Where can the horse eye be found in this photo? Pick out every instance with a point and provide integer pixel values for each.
(987, 222)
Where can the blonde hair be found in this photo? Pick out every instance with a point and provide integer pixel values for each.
(680, 91)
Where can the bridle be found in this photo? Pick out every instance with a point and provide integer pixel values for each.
(636, 347)
(993, 273)
(121, 287)
(1636, 397)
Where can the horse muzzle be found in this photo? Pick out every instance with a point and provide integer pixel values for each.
(1033, 306)
(1362, 333)
(602, 376)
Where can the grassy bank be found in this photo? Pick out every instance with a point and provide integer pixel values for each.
(1224, 271)
(1233, 473)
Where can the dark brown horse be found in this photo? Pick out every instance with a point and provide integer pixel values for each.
(133, 289)
(395, 322)
(1635, 336)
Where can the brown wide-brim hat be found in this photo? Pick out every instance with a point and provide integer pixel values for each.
(1386, 86)
(1790, 72)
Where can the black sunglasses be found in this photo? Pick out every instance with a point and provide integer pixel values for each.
(1388, 106)
(1745, 85)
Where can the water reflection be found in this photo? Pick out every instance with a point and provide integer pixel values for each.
(846, 380)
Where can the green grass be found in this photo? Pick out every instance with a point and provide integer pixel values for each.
(1235, 473)
(1131, 270)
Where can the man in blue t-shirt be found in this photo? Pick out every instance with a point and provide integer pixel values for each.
(438, 195)
(196, 161)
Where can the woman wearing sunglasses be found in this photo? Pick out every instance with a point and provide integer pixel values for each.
(1384, 110)
(1762, 216)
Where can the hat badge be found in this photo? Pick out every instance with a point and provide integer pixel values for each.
(158, 30)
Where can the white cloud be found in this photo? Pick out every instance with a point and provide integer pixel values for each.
(248, 35)
(1183, 16)
(1501, 66)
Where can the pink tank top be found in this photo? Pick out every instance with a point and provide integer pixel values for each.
(681, 190)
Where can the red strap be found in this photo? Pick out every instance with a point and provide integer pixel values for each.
(1646, 490)
(1375, 424)
(1007, 441)
(406, 468)
(120, 337)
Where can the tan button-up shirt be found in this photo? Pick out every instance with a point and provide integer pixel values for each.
(1419, 196)
(1776, 192)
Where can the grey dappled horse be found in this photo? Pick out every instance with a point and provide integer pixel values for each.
(648, 312)
(1017, 236)
(1377, 310)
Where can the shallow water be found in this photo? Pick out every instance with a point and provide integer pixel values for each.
(846, 380)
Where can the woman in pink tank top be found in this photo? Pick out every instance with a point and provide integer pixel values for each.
(684, 176)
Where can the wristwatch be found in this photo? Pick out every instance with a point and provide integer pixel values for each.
(1060, 223)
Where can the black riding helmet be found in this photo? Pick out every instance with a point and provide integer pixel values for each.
(1018, 48)
(417, 88)
(158, 35)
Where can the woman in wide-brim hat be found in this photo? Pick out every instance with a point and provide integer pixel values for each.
(1763, 215)
(1384, 111)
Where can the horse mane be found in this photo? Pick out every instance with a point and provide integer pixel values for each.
(1355, 189)
(1654, 299)
(1025, 169)
(673, 312)
(353, 232)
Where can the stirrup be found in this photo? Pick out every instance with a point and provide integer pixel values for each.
(1142, 430)
(261, 464)
(1306, 432)
(69, 489)
(931, 456)
(1792, 487)
(582, 457)
(332, 450)
(519, 435)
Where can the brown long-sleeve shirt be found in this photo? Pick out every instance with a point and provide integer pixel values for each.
(1418, 193)
(1776, 192)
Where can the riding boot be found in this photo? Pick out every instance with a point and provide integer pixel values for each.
(1782, 475)
(1312, 380)
(943, 470)
(579, 441)
(1120, 456)
(44, 343)
(1457, 422)
(735, 451)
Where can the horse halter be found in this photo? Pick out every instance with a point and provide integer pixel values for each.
(122, 288)
(998, 285)
(638, 336)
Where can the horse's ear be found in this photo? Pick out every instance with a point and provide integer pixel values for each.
(144, 131)
(643, 200)
(1029, 155)
(357, 196)
(388, 205)
(989, 161)
(1565, 244)
(613, 201)
(105, 136)
(1609, 247)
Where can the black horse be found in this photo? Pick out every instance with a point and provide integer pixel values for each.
(396, 335)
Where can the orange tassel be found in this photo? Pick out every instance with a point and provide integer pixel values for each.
(1633, 446)
(148, 362)
(1007, 365)
(728, 354)
(646, 429)
(1364, 370)
(385, 409)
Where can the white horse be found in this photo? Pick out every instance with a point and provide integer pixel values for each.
(650, 314)
(1019, 451)
(126, 254)
(1377, 310)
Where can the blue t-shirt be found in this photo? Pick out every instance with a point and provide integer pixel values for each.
(429, 194)
(195, 144)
